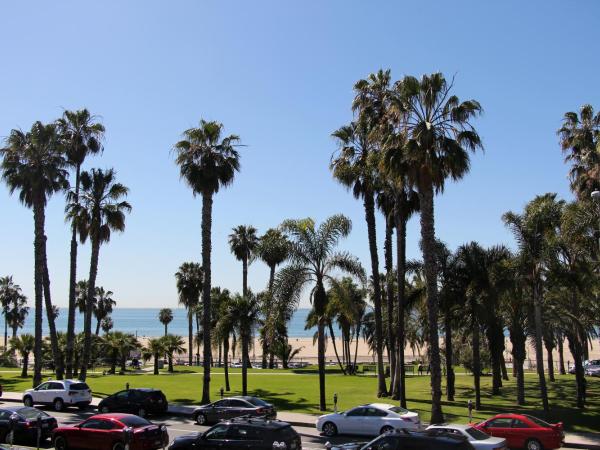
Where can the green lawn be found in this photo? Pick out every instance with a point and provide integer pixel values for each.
(298, 391)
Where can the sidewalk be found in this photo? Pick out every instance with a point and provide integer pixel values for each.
(581, 440)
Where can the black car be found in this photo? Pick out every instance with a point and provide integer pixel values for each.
(231, 407)
(25, 425)
(409, 440)
(254, 433)
(141, 401)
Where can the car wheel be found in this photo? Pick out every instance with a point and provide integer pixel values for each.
(7, 437)
(533, 444)
(118, 446)
(200, 419)
(386, 429)
(329, 429)
(141, 412)
(28, 401)
(60, 443)
(59, 405)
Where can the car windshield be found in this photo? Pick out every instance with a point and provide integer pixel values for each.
(78, 387)
(32, 413)
(134, 422)
(398, 410)
(476, 434)
(539, 422)
(256, 401)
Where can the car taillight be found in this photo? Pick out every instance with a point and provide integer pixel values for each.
(406, 419)
(261, 410)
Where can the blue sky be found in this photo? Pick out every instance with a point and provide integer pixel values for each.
(280, 75)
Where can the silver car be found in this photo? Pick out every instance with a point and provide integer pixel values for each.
(478, 439)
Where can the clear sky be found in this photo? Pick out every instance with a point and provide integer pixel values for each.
(279, 74)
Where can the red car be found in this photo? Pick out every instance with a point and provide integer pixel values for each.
(524, 431)
(109, 432)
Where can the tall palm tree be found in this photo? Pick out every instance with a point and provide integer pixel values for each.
(34, 164)
(172, 344)
(243, 312)
(81, 295)
(153, 349)
(439, 136)
(313, 258)
(165, 316)
(535, 232)
(224, 326)
(104, 306)
(243, 242)
(189, 286)
(354, 166)
(98, 211)
(17, 313)
(207, 161)
(9, 294)
(580, 141)
(24, 345)
(81, 136)
(273, 250)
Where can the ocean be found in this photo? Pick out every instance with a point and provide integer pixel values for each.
(144, 322)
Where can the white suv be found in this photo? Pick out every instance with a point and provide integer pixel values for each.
(59, 393)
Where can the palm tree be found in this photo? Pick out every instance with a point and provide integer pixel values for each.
(580, 141)
(313, 258)
(81, 295)
(243, 241)
(439, 136)
(153, 349)
(224, 326)
(535, 231)
(273, 250)
(112, 345)
(243, 312)
(355, 167)
(165, 316)
(81, 136)
(33, 164)
(172, 344)
(208, 162)
(98, 211)
(104, 306)
(24, 345)
(189, 285)
(9, 294)
(107, 325)
(17, 313)
(285, 352)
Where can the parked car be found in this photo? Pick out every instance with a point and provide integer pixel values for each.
(477, 438)
(59, 393)
(370, 420)
(140, 401)
(421, 440)
(25, 428)
(247, 433)
(231, 407)
(107, 432)
(524, 431)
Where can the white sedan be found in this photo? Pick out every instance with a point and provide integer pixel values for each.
(369, 420)
(478, 439)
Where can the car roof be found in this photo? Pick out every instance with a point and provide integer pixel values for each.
(385, 406)
(115, 416)
(257, 421)
(145, 389)
(16, 408)
(447, 437)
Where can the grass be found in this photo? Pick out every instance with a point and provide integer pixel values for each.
(297, 391)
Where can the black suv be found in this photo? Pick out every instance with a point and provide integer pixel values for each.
(231, 407)
(243, 432)
(140, 401)
(410, 440)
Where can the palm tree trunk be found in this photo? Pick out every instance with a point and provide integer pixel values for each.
(389, 275)
(449, 360)
(56, 354)
(337, 356)
(428, 243)
(245, 339)
(166, 329)
(72, 285)
(503, 367)
(190, 336)
(206, 250)
(268, 338)
(38, 218)
(549, 347)
(5, 330)
(399, 388)
(245, 276)
(577, 352)
(369, 204)
(561, 356)
(226, 362)
(539, 350)
(98, 322)
(321, 362)
(170, 359)
(25, 365)
(156, 363)
(476, 360)
(358, 325)
(87, 327)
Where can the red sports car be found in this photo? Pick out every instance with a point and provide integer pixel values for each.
(110, 432)
(524, 431)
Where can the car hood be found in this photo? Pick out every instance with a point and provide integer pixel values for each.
(29, 390)
(492, 442)
(348, 446)
(329, 416)
(187, 438)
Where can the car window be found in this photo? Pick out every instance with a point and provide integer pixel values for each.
(57, 386)
(134, 421)
(43, 386)
(79, 387)
(399, 410)
(477, 434)
(374, 412)
(93, 424)
(5, 415)
(31, 413)
(538, 422)
(221, 403)
(500, 422)
(257, 401)
(238, 404)
(384, 443)
(241, 432)
(519, 424)
(218, 432)
(122, 395)
(357, 412)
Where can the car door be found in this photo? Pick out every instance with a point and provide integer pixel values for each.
(238, 408)
(40, 393)
(243, 437)
(214, 439)
(218, 411)
(520, 433)
(53, 391)
(82, 436)
(501, 427)
(120, 401)
(354, 422)
(375, 420)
